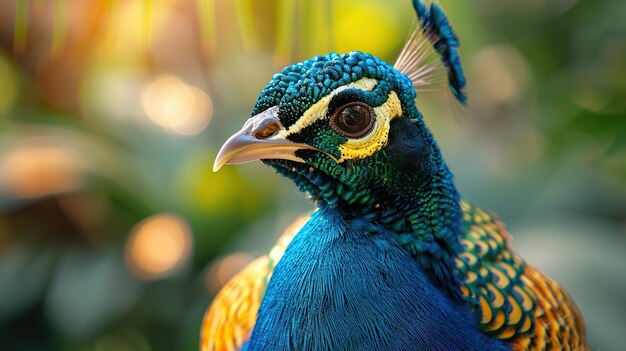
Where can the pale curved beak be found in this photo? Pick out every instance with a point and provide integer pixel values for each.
(259, 139)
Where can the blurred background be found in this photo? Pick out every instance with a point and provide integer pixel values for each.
(114, 232)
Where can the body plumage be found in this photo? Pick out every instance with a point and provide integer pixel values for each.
(392, 259)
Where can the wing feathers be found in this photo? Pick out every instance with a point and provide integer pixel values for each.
(517, 302)
(230, 319)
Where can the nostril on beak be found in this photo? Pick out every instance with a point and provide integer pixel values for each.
(267, 132)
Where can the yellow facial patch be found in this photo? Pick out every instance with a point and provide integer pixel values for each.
(378, 136)
(353, 148)
(320, 109)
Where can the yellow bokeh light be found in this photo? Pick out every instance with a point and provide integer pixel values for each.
(222, 270)
(158, 246)
(365, 26)
(8, 85)
(177, 106)
(132, 27)
(33, 171)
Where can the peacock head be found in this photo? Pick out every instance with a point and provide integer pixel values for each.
(345, 128)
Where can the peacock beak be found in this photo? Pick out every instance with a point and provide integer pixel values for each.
(259, 138)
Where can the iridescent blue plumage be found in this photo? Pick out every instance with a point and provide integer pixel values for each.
(392, 259)
(348, 285)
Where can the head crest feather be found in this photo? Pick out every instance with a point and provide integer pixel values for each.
(431, 56)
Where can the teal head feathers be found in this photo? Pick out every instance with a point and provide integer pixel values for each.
(345, 128)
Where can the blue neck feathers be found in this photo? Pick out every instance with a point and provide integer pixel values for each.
(347, 284)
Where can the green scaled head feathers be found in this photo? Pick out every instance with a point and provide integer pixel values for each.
(345, 128)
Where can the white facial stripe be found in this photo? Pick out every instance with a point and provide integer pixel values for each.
(320, 109)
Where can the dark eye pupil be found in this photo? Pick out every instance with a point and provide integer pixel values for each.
(353, 120)
(353, 115)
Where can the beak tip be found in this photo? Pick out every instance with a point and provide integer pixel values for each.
(216, 166)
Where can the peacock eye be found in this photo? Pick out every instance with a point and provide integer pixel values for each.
(353, 120)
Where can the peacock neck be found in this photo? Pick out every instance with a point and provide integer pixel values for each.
(426, 220)
(428, 208)
(406, 188)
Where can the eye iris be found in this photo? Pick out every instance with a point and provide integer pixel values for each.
(353, 120)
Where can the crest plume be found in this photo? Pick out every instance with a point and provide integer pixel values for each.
(430, 57)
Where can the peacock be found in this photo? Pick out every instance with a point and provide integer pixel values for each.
(392, 258)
